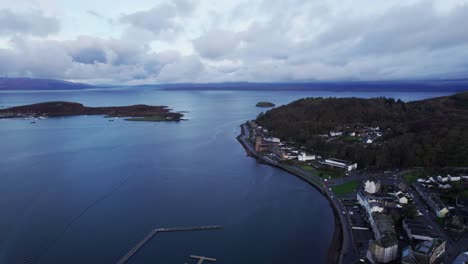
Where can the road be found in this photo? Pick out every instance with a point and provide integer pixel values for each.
(348, 252)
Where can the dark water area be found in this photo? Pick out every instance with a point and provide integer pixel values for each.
(85, 190)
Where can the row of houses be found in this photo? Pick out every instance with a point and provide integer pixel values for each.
(425, 252)
(283, 151)
(431, 199)
(366, 134)
(384, 248)
(426, 245)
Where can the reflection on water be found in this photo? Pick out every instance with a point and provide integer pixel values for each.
(85, 190)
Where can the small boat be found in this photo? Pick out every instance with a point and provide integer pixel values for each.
(33, 122)
(111, 120)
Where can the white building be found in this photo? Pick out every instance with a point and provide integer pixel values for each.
(401, 197)
(341, 164)
(273, 140)
(304, 157)
(335, 133)
(369, 141)
(371, 187)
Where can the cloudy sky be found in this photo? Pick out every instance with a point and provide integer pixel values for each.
(143, 41)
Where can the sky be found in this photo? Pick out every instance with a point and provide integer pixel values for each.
(146, 42)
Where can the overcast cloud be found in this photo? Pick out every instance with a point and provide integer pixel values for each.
(247, 40)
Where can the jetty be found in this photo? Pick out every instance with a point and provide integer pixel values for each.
(153, 232)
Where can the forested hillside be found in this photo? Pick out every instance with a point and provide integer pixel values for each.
(430, 133)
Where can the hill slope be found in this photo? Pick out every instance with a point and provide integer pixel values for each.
(432, 133)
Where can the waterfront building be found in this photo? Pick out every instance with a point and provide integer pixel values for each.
(342, 164)
(304, 157)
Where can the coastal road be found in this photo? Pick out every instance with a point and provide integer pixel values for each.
(348, 253)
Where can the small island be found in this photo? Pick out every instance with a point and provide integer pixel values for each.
(59, 109)
(265, 104)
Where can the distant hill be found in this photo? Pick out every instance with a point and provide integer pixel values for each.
(39, 84)
(453, 86)
(429, 133)
(458, 85)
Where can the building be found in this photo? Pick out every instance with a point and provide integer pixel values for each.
(384, 248)
(402, 199)
(260, 146)
(335, 133)
(370, 204)
(342, 164)
(371, 187)
(426, 252)
(273, 140)
(433, 201)
(418, 230)
(304, 157)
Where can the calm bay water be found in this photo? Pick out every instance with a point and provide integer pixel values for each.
(85, 190)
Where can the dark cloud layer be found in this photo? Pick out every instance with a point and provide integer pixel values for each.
(256, 41)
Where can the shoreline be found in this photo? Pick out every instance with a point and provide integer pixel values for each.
(335, 250)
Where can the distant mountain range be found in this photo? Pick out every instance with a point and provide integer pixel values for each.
(454, 85)
(39, 84)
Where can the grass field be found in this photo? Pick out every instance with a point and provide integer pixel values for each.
(330, 173)
(306, 167)
(345, 188)
(413, 176)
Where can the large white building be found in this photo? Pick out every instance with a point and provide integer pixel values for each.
(304, 157)
(343, 164)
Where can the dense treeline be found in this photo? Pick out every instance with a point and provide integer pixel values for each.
(429, 133)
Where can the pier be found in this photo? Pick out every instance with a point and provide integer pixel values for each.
(153, 232)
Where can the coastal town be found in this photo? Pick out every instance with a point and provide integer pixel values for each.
(392, 216)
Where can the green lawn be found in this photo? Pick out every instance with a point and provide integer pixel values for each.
(413, 176)
(330, 173)
(306, 167)
(345, 188)
(351, 139)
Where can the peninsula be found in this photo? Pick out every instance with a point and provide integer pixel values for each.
(59, 109)
(394, 172)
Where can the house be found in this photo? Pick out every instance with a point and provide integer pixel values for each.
(418, 230)
(426, 252)
(371, 187)
(370, 204)
(304, 157)
(433, 201)
(342, 164)
(401, 198)
(384, 248)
